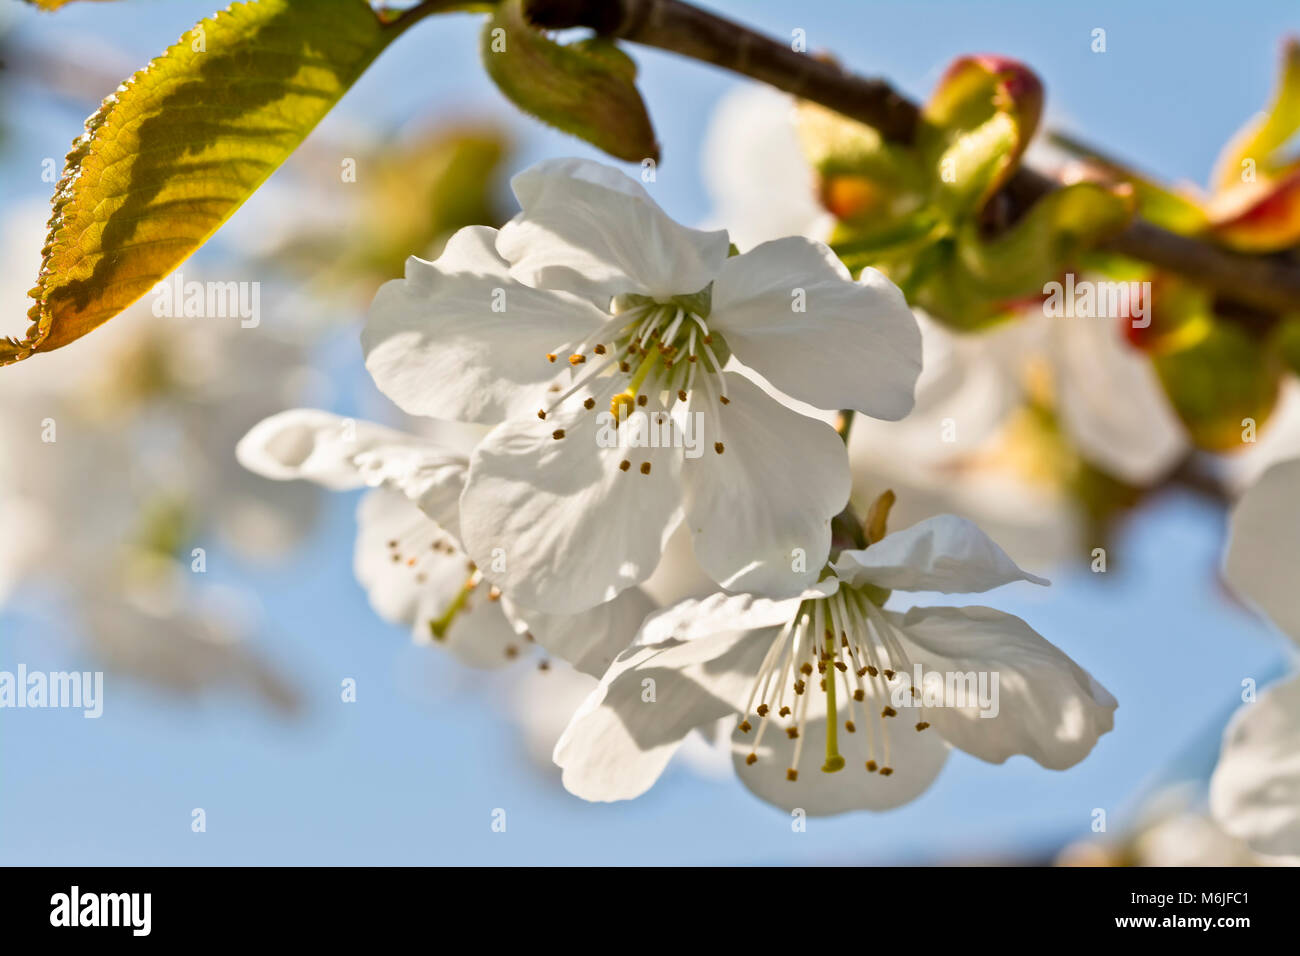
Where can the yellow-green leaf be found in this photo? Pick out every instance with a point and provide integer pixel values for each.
(587, 89)
(1224, 384)
(1286, 341)
(1254, 145)
(182, 144)
(1176, 209)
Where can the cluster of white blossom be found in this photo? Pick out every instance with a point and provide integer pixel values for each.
(616, 375)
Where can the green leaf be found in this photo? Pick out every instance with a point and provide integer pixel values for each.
(875, 244)
(1216, 384)
(587, 89)
(1286, 341)
(182, 144)
(970, 282)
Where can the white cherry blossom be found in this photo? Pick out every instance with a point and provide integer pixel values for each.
(601, 331)
(826, 683)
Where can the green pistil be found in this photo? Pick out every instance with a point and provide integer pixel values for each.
(834, 761)
(625, 401)
(643, 370)
(439, 626)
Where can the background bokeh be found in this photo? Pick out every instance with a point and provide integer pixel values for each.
(412, 772)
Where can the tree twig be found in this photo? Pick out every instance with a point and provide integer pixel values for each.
(1269, 283)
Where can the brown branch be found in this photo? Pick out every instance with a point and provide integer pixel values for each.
(1268, 283)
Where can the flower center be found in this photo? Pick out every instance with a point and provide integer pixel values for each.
(418, 552)
(647, 347)
(855, 650)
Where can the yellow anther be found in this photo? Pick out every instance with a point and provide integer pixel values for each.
(621, 404)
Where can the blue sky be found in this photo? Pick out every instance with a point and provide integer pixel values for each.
(412, 772)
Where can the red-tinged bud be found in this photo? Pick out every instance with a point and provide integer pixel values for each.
(1266, 219)
(982, 115)
(1007, 85)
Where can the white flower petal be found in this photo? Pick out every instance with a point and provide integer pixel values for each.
(391, 534)
(679, 575)
(693, 619)
(1112, 403)
(459, 339)
(556, 523)
(313, 445)
(1264, 548)
(854, 344)
(589, 229)
(1255, 790)
(590, 640)
(424, 474)
(342, 453)
(768, 499)
(623, 736)
(944, 553)
(1048, 707)
(915, 759)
